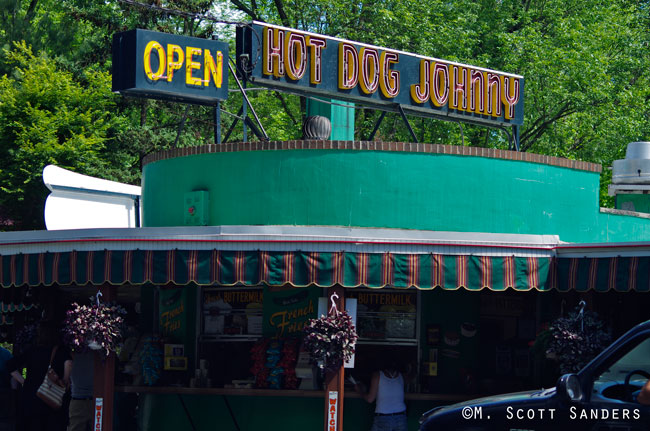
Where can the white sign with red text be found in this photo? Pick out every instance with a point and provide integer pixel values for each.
(332, 411)
(99, 411)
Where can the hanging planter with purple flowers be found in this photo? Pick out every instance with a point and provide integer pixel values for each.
(330, 340)
(94, 327)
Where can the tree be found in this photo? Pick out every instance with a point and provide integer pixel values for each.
(586, 66)
(47, 117)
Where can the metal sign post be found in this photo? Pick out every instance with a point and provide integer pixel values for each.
(217, 124)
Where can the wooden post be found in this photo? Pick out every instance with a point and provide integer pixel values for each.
(104, 378)
(334, 380)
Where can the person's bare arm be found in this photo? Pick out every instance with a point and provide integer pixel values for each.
(644, 395)
(371, 395)
(67, 370)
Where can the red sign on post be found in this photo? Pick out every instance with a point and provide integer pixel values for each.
(332, 411)
(99, 410)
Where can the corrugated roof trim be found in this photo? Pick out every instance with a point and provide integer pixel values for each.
(280, 238)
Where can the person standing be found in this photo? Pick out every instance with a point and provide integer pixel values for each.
(36, 415)
(81, 391)
(387, 391)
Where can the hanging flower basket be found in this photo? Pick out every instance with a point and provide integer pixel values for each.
(576, 339)
(330, 340)
(94, 327)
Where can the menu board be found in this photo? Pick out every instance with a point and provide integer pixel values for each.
(287, 309)
(172, 314)
(386, 315)
(233, 312)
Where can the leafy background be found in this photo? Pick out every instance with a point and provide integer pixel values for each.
(586, 64)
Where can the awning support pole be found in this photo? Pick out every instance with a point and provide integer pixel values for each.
(104, 375)
(334, 381)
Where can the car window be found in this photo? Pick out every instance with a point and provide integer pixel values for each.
(636, 359)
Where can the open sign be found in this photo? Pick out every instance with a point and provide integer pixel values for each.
(165, 66)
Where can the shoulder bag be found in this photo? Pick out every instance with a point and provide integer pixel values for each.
(51, 390)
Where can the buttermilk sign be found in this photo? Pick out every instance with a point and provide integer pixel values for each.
(318, 65)
(166, 66)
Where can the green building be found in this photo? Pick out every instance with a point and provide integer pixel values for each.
(455, 257)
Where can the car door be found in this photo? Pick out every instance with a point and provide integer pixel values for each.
(611, 403)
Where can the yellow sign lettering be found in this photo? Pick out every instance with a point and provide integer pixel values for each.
(160, 51)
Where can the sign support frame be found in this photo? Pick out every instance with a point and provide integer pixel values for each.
(408, 125)
(377, 124)
(247, 102)
(217, 124)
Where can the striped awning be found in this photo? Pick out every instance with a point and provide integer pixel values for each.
(13, 299)
(250, 268)
(601, 274)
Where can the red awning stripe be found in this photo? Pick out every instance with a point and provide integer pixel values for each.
(223, 267)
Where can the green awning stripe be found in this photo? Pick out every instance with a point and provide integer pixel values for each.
(376, 270)
(12, 308)
(602, 274)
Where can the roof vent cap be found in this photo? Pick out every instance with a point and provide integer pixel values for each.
(638, 150)
(635, 167)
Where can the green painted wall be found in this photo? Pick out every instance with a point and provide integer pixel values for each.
(633, 202)
(408, 190)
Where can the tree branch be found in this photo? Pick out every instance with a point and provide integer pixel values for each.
(282, 100)
(531, 135)
(283, 15)
(242, 7)
(30, 11)
(579, 144)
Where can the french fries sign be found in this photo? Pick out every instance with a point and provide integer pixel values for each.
(165, 66)
(313, 64)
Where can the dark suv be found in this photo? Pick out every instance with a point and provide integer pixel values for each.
(601, 397)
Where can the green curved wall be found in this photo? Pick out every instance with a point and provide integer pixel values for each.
(390, 189)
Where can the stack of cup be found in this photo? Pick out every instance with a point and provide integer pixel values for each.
(201, 379)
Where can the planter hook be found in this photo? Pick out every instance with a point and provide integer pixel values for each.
(334, 307)
(97, 296)
(581, 315)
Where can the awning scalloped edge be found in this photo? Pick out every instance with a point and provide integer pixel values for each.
(296, 268)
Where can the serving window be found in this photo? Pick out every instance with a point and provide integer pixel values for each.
(387, 316)
(234, 314)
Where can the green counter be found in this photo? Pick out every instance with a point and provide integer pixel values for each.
(226, 412)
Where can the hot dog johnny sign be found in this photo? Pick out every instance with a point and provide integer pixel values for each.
(166, 66)
(319, 65)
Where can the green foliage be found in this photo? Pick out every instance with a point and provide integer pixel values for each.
(586, 66)
(47, 117)
(45, 25)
